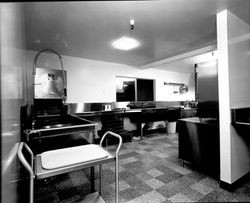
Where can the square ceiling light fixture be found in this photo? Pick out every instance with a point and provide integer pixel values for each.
(125, 43)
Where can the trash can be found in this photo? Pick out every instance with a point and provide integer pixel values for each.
(171, 127)
(173, 115)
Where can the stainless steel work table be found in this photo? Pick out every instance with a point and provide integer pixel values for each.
(140, 116)
(146, 115)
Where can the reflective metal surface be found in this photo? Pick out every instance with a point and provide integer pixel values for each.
(56, 126)
(49, 83)
(183, 89)
(75, 108)
(79, 108)
(59, 126)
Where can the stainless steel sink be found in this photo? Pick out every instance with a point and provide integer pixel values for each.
(60, 126)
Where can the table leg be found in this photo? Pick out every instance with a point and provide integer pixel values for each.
(141, 128)
(100, 179)
(92, 178)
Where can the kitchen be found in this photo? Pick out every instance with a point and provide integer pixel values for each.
(91, 75)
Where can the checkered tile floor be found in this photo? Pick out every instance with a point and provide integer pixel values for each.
(149, 172)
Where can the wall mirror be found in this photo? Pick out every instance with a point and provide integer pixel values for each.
(134, 89)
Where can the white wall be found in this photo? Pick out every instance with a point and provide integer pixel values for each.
(94, 81)
(234, 81)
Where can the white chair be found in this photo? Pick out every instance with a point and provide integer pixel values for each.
(55, 162)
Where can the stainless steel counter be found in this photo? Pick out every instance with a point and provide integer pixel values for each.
(77, 108)
(140, 116)
(116, 107)
(207, 121)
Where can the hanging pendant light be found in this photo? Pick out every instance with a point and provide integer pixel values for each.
(127, 42)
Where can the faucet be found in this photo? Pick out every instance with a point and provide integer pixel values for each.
(64, 96)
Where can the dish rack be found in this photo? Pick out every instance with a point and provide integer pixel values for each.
(56, 162)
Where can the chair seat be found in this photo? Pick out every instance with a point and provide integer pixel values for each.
(73, 155)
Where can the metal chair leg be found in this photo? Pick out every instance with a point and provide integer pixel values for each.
(116, 180)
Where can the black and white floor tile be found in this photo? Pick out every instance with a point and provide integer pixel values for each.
(149, 172)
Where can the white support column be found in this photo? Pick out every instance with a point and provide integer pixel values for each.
(233, 38)
(224, 97)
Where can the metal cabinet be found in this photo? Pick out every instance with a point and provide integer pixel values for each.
(199, 144)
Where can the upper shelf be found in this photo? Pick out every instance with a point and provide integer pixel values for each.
(241, 119)
(241, 115)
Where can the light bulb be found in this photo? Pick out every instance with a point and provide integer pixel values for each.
(132, 21)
